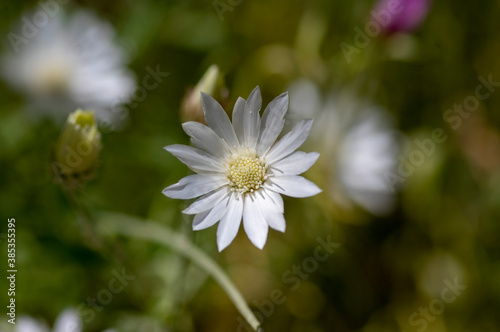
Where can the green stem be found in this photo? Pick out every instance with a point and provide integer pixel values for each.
(85, 219)
(87, 223)
(111, 223)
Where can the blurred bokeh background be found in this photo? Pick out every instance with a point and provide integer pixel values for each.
(406, 97)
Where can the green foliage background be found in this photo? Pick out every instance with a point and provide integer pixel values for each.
(446, 224)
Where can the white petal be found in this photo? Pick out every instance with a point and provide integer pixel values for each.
(230, 223)
(208, 218)
(28, 324)
(296, 163)
(238, 118)
(253, 221)
(271, 207)
(196, 159)
(218, 120)
(205, 138)
(277, 201)
(276, 221)
(290, 142)
(251, 118)
(195, 185)
(68, 321)
(206, 202)
(272, 122)
(294, 186)
(266, 203)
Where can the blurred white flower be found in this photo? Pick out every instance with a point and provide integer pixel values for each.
(71, 62)
(358, 144)
(241, 170)
(67, 321)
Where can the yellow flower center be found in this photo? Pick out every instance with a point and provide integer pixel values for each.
(246, 172)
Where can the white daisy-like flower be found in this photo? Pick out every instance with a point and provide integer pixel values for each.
(358, 143)
(241, 169)
(67, 321)
(70, 62)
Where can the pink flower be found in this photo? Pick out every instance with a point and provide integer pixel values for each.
(401, 15)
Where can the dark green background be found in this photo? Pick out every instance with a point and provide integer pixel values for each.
(446, 223)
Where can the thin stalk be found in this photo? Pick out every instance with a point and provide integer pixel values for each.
(160, 234)
(87, 223)
(85, 220)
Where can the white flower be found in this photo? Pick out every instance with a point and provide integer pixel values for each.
(241, 170)
(67, 321)
(70, 62)
(359, 145)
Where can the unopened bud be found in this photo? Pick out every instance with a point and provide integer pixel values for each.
(211, 83)
(77, 150)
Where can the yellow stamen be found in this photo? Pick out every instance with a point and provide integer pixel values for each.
(246, 172)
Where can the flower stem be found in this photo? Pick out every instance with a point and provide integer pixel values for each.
(87, 223)
(112, 223)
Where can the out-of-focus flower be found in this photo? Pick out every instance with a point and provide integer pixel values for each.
(77, 150)
(241, 170)
(211, 83)
(67, 321)
(402, 15)
(358, 144)
(72, 61)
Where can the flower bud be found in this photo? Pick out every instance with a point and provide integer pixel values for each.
(77, 150)
(211, 83)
